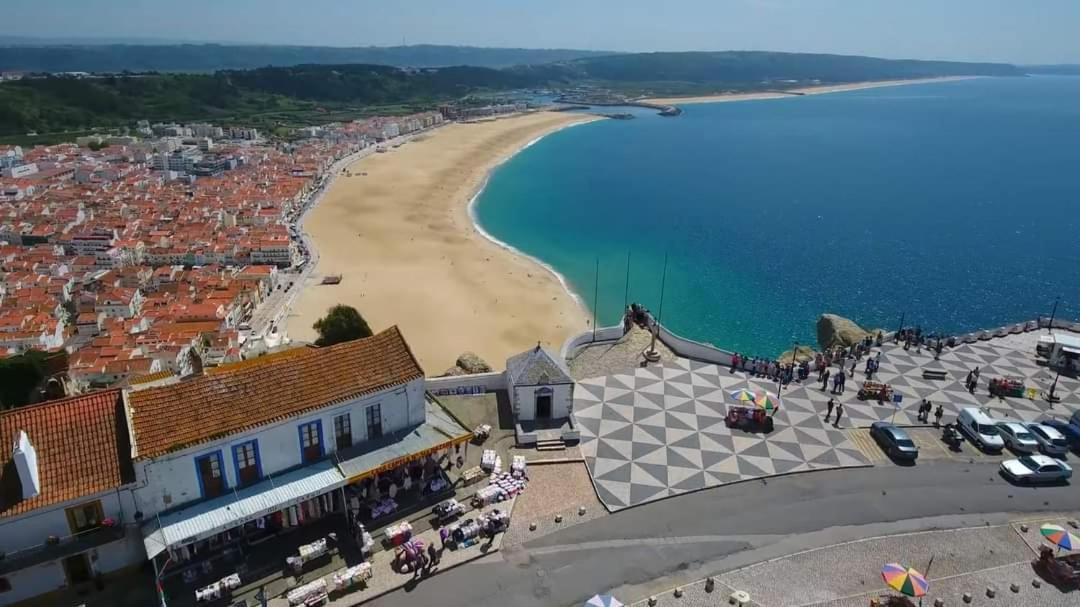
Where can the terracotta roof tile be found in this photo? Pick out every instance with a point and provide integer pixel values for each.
(82, 449)
(236, 397)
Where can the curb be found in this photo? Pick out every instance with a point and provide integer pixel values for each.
(562, 460)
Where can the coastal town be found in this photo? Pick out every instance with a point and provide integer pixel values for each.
(301, 326)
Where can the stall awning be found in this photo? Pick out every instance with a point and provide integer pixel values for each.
(204, 519)
(439, 431)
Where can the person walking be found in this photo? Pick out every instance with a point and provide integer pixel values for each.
(825, 379)
(828, 409)
(843, 380)
(839, 414)
(938, 414)
(433, 554)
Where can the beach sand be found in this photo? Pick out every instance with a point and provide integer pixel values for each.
(810, 90)
(409, 254)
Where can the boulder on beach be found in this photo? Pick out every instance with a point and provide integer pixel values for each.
(801, 353)
(471, 363)
(833, 330)
(453, 372)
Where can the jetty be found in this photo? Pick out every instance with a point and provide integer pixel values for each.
(333, 279)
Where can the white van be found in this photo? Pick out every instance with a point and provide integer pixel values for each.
(980, 428)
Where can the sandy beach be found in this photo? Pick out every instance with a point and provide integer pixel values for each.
(810, 90)
(399, 233)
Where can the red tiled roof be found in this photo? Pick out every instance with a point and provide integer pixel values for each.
(82, 449)
(237, 397)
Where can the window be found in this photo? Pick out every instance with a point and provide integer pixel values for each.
(311, 441)
(246, 457)
(343, 431)
(85, 517)
(374, 421)
(211, 480)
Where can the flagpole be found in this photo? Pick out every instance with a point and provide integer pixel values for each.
(596, 296)
(626, 287)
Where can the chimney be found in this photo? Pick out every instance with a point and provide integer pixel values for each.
(25, 457)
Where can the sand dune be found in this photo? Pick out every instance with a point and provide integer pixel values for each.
(408, 252)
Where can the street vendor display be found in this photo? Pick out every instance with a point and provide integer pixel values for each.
(494, 522)
(218, 589)
(447, 510)
(487, 460)
(873, 390)
(1007, 386)
(398, 534)
(312, 593)
(310, 552)
(346, 578)
(383, 507)
(517, 466)
(754, 411)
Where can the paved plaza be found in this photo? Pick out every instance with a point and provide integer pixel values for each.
(658, 431)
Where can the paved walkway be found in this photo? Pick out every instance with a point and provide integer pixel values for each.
(650, 433)
(849, 575)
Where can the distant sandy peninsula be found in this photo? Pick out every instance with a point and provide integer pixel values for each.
(810, 90)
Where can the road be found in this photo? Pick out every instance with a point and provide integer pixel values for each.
(656, 546)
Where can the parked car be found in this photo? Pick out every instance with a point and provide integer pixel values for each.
(894, 441)
(1036, 469)
(980, 428)
(1051, 442)
(1070, 431)
(1018, 438)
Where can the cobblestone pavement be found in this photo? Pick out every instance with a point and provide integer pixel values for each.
(848, 575)
(619, 357)
(555, 489)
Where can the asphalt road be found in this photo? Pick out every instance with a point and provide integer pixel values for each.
(649, 548)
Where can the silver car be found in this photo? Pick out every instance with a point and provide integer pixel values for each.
(1051, 442)
(1036, 469)
(1018, 438)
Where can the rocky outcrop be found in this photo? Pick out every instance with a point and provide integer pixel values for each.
(801, 353)
(468, 364)
(472, 363)
(833, 330)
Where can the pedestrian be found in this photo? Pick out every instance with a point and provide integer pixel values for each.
(843, 380)
(938, 414)
(853, 363)
(825, 379)
(828, 409)
(836, 382)
(433, 554)
(839, 413)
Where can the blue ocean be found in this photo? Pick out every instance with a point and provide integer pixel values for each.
(955, 205)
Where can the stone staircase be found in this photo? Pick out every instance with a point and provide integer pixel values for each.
(551, 445)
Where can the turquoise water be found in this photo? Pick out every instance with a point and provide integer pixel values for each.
(955, 203)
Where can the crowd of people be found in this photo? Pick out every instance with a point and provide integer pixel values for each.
(759, 366)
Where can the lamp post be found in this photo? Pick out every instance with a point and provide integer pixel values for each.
(794, 351)
(1053, 313)
(651, 354)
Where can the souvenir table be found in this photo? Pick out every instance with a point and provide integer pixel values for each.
(348, 577)
(218, 589)
(312, 593)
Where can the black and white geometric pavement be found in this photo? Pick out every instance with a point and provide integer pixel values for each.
(659, 431)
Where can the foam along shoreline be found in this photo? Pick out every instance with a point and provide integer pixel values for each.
(401, 233)
(810, 90)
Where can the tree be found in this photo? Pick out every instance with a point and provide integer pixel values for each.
(341, 323)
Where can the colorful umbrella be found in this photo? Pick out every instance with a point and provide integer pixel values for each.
(1060, 537)
(744, 396)
(603, 600)
(769, 403)
(905, 580)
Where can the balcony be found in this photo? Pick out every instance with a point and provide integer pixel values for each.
(67, 546)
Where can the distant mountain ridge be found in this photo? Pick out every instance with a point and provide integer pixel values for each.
(53, 58)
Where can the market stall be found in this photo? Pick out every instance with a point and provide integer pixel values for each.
(447, 510)
(310, 552)
(346, 579)
(398, 534)
(218, 590)
(312, 593)
(1007, 386)
(873, 390)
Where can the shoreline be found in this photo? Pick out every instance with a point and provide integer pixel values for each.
(798, 92)
(424, 262)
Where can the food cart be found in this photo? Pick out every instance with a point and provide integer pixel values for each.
(1007, 386)
(873, 390)
(218, 590)
(748, 419)
(347, 578)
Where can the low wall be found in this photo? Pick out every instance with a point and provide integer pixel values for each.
(478, 383)
(571, 346)
(685, 348)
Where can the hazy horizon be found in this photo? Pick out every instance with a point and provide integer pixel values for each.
(959, 30)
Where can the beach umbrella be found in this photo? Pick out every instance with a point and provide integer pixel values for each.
(1060, 537)
(603, 600)
(905, 580)
(744, 396)
(769, 403)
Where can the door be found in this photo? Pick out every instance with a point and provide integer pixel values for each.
(543, 406)
(77, 569)
(210, 472)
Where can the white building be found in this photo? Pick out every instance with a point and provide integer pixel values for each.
(541, 392)
(67, 514)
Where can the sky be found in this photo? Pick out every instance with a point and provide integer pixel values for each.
(1013, 31)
